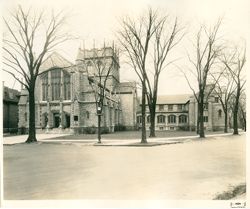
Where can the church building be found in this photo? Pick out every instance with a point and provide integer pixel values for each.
(66, 98)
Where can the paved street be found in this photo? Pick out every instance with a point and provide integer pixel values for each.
(192, 170)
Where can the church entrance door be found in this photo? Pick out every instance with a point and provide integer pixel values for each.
(56, 120)
(67, 117)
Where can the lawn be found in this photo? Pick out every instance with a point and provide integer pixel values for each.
(135, 135)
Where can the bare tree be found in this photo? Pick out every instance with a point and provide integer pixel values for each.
(98, 74)
(166, 37)
(134, 38)
(224, 90)
(207, 52)
(235, 62)
(26, 42)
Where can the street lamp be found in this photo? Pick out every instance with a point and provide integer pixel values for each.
(99, 112)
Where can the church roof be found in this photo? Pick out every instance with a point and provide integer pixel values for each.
(55, 60)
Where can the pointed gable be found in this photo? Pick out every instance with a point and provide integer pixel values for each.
(55, 60)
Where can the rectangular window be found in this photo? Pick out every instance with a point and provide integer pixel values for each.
(180, 106)
(170, 107)
(205, 119)
(161, 107)
(216, 99)
(75, 117)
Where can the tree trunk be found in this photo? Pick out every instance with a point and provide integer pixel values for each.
(152, 120)
(235, 114)
(198, 119)
(225, 121)
(99, 128)
(32, 120)
(245, 123)
(143, 112)
(235, 121)
(244, 119)
(201, 121)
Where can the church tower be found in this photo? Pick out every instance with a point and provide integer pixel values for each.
(101, 62)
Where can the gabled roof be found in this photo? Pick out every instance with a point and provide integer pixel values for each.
(173, 99)
(55, 60)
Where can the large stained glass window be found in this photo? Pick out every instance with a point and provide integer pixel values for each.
(59, 81)
(45, 87)
(66, 85)
(56, 84)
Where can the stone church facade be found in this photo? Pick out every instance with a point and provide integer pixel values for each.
(65, 98)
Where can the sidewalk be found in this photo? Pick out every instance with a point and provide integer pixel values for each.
(22, 138)
(48, 138)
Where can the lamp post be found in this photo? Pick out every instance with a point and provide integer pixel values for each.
(99, 112)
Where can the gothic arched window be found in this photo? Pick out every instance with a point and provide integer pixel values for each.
(161, 119)
(87, 114)
(66, 85)
(182, 119)
(139, 119)
(45, 87)
(219, 113)
(148, 119)
(89, 68)
(171, 119)
(56, 84)
(60, 85)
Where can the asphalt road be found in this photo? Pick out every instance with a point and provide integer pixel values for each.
(195, 170)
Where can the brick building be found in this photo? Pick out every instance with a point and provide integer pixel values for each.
(179, 112)
(10, 110)
(66, 101)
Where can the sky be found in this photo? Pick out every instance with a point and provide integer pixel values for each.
(98, 21)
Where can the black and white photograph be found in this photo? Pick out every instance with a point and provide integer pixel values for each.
(123, 103)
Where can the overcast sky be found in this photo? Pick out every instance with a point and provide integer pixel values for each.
(98, 20)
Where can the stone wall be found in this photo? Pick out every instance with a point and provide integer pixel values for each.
(128, 106)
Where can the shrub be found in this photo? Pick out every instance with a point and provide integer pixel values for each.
(13, 130)
(22, 130)
(120, 127)
(104, 130)
(91, 130)
(184, 128)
